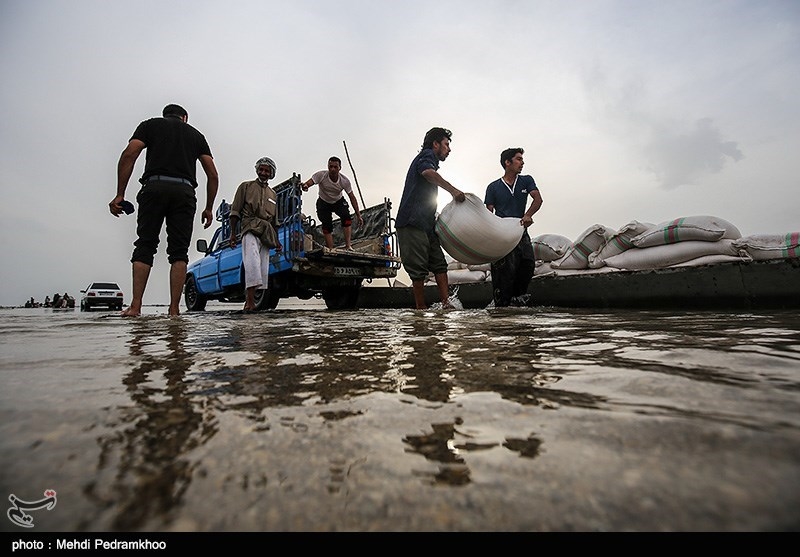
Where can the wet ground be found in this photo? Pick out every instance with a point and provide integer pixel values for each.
(304, 419)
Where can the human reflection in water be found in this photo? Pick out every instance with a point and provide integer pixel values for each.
(448, 445)
(438, 446)
(441, 370)
(425, 358)
(157, 432)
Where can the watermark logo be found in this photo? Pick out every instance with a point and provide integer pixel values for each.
(17, 514)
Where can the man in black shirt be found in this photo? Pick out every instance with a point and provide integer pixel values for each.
(167, 193)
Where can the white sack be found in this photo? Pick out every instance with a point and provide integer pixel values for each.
(549, 247)
(656, 257)
(472, 234)
(577, 272)
(771, 246)
(465, 275)
(619, 242)
(703, 228)
(714, 260)
(543, 269)
(459, 276)
(452, 264)
(577, 256)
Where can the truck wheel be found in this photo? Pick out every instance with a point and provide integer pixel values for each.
(266, 299)
(341, 297)
(192, 298)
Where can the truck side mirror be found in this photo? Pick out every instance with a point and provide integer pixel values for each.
(202, 246)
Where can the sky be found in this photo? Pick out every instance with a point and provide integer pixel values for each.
(645, 110)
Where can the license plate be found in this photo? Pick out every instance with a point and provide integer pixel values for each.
(348, 271)
(106, 293)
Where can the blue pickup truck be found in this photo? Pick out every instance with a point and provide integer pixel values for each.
(304, 268)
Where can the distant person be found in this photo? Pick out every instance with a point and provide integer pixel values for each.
(255, 205)
(47, 301)
(57, 301)
(507, 197)
(167, 193)
(420, 249)
(69, 301)
(332, 187)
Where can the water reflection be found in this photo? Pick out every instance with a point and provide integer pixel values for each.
(310, 366)
(154, 436)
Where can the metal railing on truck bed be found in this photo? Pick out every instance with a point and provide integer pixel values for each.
(302, 237)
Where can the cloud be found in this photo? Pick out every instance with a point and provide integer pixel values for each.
(680, 158)
(678, 151)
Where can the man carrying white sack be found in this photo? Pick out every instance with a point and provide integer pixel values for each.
(416, 217)
(507, 197)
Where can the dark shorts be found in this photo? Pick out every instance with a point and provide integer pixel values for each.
(325, 212)
(158, 202)
(421, 252)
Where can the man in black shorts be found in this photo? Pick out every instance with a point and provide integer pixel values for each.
(332, 187)
(167, 193)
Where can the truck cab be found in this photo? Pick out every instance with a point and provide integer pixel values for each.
(304, 267)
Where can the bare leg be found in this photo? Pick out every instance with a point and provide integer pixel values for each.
(328, 239)
(177, 276)
(141, 272)
(250, 299)
(444, 294)
(348, 233)
(418, 286)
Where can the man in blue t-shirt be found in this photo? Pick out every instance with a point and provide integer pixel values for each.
(419, 245)
(507, 197)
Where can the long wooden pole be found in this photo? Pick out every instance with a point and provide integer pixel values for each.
(355, 178)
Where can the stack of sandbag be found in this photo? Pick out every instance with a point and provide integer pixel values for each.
(618, 242)
(694, 240)
(473, 235)
(577, 255)
(770, 246)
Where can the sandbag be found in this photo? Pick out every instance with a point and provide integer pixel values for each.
(463, 276)
(771, 246)
(543, 268)
(714, 260)
(577, 256)
(618, 243)
(656, 257)
(549, 247)
(452, 264)
(459, 276)
(703, 228)
(472, 234)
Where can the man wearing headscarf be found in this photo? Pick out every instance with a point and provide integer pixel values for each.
(255, 206)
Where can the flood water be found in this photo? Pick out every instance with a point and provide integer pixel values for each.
(304, 419)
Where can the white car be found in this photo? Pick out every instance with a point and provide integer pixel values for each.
(107, 294)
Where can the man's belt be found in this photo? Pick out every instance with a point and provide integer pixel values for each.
(159, 178)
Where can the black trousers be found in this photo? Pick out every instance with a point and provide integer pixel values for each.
(512, 274)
